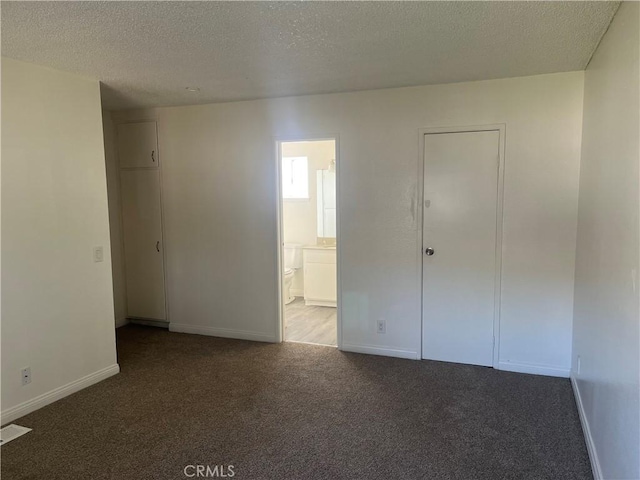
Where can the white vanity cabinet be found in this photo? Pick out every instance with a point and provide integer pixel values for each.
(320, 276)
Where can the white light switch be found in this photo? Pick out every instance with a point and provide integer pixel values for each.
(98, 254)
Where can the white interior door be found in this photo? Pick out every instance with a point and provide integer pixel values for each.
(142, 231)
(459, 224)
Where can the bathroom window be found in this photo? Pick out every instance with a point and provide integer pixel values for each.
(295, 178)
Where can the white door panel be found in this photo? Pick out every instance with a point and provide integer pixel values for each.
(138, 145)
(142, 231)
(459, 223)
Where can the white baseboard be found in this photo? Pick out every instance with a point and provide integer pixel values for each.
(591, 447)
(387, 352)
(20, 410)
(533, 369)
(221, 332)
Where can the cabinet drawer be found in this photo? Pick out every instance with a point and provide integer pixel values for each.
(319, 256)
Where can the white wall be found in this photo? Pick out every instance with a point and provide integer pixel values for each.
(606, 321)
(57, 304)
(220, 204)
(115, 220)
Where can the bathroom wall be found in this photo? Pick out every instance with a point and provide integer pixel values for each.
(299, 217)
(220, 204)
(606, 326)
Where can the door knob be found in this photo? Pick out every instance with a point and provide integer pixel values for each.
(429, 251)
(158, 246)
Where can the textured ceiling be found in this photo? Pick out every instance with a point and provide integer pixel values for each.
(146, 53)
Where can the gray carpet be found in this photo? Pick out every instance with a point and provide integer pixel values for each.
(296, 411)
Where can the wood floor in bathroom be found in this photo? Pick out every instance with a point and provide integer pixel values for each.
(310, 324)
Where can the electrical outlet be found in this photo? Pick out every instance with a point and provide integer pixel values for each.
(382, 326)
(26, 375)
(98, 254)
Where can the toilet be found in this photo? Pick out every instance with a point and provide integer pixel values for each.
(292, 262)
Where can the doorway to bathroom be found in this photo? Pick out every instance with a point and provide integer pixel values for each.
(308, 233)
